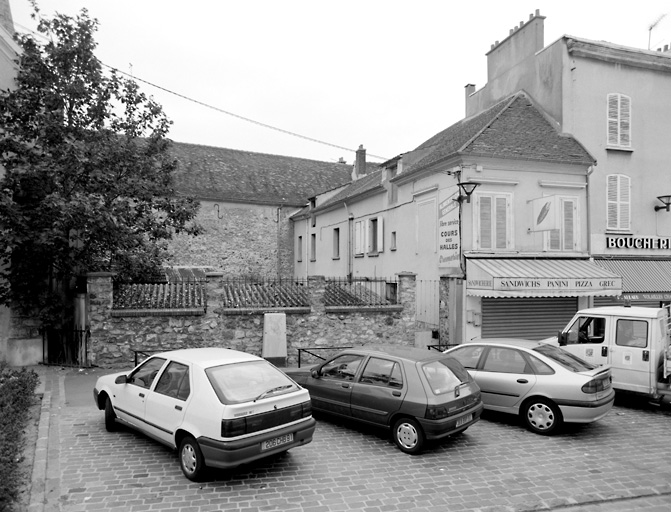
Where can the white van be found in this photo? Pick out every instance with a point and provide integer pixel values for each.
(633, 340)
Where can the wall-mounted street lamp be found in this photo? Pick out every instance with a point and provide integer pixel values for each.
(666, 200)
(465, 190)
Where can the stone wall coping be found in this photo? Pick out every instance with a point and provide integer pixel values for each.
(100, 274)
(263, 311)
(158, 312)
(364, 309)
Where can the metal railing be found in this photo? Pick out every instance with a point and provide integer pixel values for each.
(361, 292)
(66, 346)
(248, 293)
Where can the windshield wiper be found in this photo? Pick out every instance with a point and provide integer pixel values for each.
(273, 390)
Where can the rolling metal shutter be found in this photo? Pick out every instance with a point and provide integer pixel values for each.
(530, 318)
(616, 301)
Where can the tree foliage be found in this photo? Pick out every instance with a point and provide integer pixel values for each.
(88, 182)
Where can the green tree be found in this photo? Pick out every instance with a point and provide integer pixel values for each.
(88, 182)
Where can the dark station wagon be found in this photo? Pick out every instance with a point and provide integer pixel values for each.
(418, 394)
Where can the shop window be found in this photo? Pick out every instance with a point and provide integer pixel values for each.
(619, 121)
(493, 222)
(618, 202)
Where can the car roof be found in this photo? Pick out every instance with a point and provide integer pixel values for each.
(635, 311)
(515, 342)
(412, 354)
(208, 356)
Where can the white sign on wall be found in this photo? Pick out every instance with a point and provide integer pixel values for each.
(449, 235)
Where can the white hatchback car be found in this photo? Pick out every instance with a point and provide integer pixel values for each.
(544, 384)
(218, 407)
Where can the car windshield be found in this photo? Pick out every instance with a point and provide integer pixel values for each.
(564, 358)
(248, 381)
(444, 375)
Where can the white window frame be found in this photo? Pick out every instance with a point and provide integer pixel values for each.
(359, 238)
(618, 202)
(618, 120)
(299, 248)
(549, 237)
(313, 247)
(336, 243)
(478, 227)
(375, 235)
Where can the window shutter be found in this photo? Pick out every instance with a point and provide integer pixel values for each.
(613, 122)
(568, 208)
(358, 238)
(485, 213)
(380, 234)
(501, 223)
(618, 201)
(619, 120)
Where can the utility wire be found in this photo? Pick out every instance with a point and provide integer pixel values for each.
(203, 104)
(206, 105)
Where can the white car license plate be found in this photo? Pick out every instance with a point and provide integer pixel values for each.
(277, 441)
(464, 419)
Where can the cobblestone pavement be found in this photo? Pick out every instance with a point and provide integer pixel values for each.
(620, 463)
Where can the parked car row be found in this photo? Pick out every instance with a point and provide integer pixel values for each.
(221, 408)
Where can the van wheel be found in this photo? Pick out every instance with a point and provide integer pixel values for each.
(110, 416)
(541, 416)
(191, 459)
(408, 435)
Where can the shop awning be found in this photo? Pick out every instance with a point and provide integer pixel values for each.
(539, 278)
(647, 279)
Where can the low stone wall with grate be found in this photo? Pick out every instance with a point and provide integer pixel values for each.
(116, 334)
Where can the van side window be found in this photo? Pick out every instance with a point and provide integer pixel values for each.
(587, 329)
(632, 333)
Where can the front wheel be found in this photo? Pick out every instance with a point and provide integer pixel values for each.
(110, 416)
(191, 459)
(408, 435)
(542, 416)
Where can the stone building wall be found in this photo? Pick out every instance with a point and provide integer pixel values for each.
(238, 239)
(114, 338)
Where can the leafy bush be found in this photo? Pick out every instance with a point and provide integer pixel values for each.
(17, 392)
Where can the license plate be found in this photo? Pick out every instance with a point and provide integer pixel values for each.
(277, 441)
(464, 419)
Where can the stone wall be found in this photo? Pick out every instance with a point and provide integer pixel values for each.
(114, 337)
(241, 239)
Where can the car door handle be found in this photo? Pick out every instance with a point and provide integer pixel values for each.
(178, 407)
(344, 385)
(141, 395)
(523, 381)
(396, 393)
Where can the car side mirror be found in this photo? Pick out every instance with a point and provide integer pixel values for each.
(561, 338)
(121, 379)
(315, 374)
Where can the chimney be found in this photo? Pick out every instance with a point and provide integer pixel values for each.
(360, 163)
(469, 89)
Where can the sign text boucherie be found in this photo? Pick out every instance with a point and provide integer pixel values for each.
(630, 242)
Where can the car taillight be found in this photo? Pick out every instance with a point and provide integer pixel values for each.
(596, 385)
(436, 412)
(256, 423)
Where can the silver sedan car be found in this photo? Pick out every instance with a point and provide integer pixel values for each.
(543, 384)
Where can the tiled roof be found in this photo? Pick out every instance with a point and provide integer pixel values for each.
(357, 187)
(513, 128)
(220, 174)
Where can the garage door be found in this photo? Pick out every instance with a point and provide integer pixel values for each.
(530, 318)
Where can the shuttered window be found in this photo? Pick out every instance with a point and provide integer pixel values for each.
(493, 226)
(618, 202)
(565, 238)
(619, 120)
(375, 235)
(359, 237)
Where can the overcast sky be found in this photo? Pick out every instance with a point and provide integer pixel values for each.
(385, 74)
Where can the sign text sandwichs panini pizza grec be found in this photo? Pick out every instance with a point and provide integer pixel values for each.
(544, 284)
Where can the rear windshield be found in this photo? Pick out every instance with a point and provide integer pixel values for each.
(444, 375)
(248, 381)
(564, 358)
